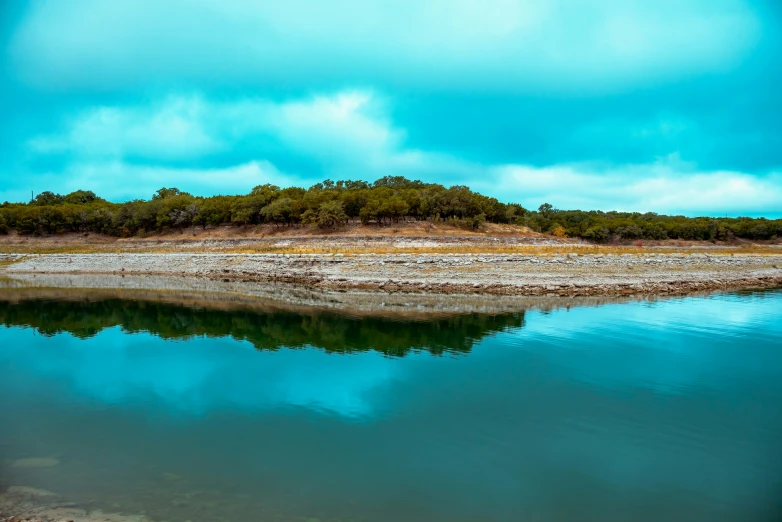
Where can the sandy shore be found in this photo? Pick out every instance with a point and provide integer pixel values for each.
(497, 274)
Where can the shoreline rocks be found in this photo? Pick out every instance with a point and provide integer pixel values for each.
(497, 274)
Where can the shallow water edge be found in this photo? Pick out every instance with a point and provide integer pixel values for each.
(233, 294)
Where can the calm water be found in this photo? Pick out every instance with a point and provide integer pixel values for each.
(670, 410)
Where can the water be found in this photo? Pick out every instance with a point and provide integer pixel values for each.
(666, 410)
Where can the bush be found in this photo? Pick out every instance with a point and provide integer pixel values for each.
(558, 231)
(478, 221)
(331, 215)
(595, 234)
(331, 204)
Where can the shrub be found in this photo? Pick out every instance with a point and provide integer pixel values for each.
(558, 231)
(331, 215)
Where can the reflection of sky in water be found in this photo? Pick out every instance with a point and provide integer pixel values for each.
(666, 346)
(200, 374)
(640, 411)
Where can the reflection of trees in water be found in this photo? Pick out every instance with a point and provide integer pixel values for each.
(265, 330)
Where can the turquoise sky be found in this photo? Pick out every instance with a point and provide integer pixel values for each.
(667, 105)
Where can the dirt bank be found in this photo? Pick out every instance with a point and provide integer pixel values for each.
(501, 274)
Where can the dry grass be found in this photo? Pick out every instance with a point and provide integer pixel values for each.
(7, 262)
(541, 250)
(347, 248)
(401, 238)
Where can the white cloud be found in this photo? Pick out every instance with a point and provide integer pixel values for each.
(444, 44)
(349, 135)
(120, 181)
(347, 126)
(661, 187)
(170, 131)
(335, 127)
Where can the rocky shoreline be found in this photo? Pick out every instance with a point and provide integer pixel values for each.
(496, 274)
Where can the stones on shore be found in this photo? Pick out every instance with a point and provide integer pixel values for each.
(509, 274)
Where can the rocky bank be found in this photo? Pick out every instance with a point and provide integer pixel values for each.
(503, 274)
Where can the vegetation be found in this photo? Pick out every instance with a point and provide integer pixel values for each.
(266, 331)
(332, 205)
(601, 226)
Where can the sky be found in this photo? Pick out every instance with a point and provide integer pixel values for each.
(663, 106)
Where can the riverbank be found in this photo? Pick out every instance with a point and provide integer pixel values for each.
(273, 297)
(517, 274)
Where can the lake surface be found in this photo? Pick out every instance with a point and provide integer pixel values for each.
(643, 411)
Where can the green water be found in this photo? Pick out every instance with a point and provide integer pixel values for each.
(644, 411)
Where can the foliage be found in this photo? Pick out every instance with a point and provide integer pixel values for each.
(601, 226)
(332, 204)
(558, 230)
(331, 215)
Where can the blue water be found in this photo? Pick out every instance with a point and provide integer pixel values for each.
(645, 411)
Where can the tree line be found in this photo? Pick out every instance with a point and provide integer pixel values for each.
(334, 204)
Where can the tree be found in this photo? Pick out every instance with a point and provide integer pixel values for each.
(546, 210)
(268, 191)
(165, 193)
(596, 234)
(558, 231)
(80, 197)
(370, 211)
(396, 208)
(331, 215)
(330, 204)
(478, 221)
(279, 211)
(184, 217)
(48, 198)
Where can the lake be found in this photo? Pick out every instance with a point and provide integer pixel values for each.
(661, 410)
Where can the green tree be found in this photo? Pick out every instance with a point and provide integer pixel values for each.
(80, 197)
(165, 193)
(370, 212)
(478, 221)
(279, 211)
(331, 215)
(395, 208)
(48, 198)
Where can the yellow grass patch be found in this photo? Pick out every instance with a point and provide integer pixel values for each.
(477, 249)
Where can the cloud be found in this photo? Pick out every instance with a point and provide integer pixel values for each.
(500, 45)
(172, 130)
(663, 187)
(121, 181)
(346, 128)
(214, 147)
